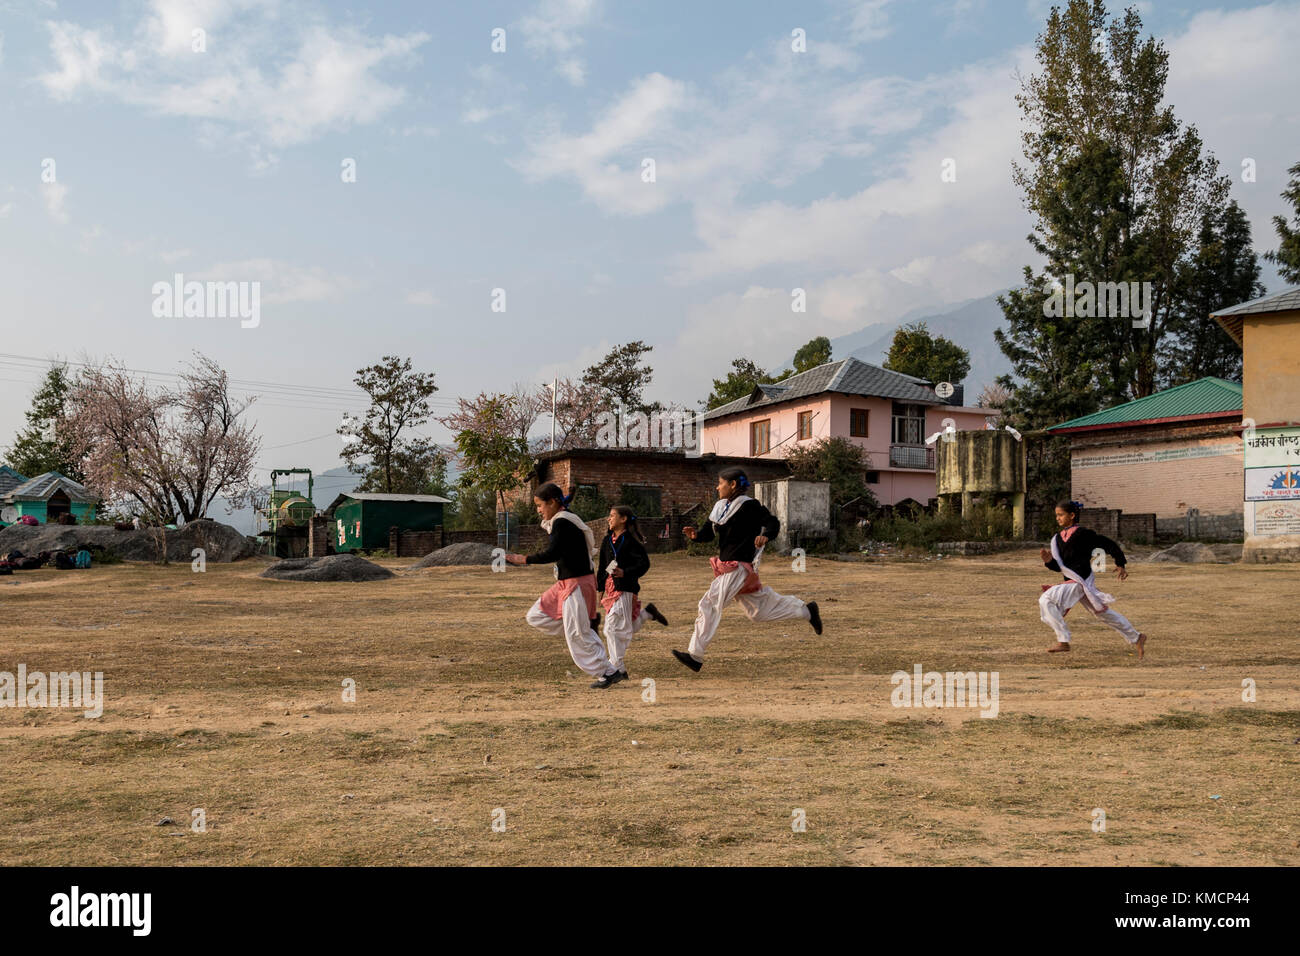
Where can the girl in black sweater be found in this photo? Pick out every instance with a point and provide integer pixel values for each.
(623, 561)
(1071, 554)
(743, 527)
(569, 605)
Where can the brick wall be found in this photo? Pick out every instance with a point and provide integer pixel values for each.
(413, 544)
(1137, 527)
(318, 537)
(681, 481)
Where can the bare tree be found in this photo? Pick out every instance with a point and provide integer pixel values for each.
(165, 454)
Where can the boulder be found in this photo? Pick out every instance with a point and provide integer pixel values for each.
(1187, 552)
(221, 542)
(334, 567)
(466, 552)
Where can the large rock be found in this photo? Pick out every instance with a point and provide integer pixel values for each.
(466, 552)
(221, 542)
(1187, 552)
(335, 567)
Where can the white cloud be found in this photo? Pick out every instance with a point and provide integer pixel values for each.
(422, 297)
(55, 195)
(281, 281)
(553, 30)
(6, 209)
(270, 78)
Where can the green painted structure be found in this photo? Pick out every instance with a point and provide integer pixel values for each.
(47, 496)
(361, 520)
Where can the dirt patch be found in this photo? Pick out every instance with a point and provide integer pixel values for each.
(335, 567)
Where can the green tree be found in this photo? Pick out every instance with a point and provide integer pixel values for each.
(622, 377)
(813, 353)
(41, 446)
(1117, 185)
(492, 455)
(740, 381)
(1224, 272)
(917, 352)
(1287, 255)
(380, 449)
(841, 462)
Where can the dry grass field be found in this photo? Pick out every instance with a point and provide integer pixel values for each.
(224, 691)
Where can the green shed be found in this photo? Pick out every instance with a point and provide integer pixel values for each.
(362, 519)
(47, 496)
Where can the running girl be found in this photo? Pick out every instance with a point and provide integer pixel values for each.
(623, 561)
(569, 606)
(1071, 554)
(743, 527)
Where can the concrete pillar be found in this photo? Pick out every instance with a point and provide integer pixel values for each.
(967, 503)
(1018, 515)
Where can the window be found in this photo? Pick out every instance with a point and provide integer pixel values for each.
(908, 424)
(760, 437)
(644, 500)
(805, 425)
(873, 477)
(857, 423)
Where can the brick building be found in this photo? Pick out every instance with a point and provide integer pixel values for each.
(1176, 454)
(657, 483)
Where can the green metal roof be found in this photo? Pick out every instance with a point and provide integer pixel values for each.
(1204, 397)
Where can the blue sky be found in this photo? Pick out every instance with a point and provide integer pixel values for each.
(521, 170)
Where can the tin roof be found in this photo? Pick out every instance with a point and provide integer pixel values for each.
(848, 376)
(1230, 318)
(43, 486)
(1204, 398)
(378, 496)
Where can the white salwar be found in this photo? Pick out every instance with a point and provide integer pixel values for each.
(762, 605)
(1056, 600)
(584, 644)
(620, 625)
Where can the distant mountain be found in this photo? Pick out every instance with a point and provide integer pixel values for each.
(970, 324)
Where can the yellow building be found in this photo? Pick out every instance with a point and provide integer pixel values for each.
(1268, 331)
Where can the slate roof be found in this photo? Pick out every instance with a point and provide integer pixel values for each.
(1206, 397)
(43, 486)
(848, 376)
(1230, 318)
(9, 480)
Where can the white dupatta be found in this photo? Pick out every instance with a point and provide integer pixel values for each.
(724, 509)
(582, 526)
(1098, 601)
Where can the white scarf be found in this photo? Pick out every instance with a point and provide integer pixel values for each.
(724, 509)
(1098, 601)
(582, 525)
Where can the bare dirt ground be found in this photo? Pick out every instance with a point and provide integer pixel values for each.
(224, 692)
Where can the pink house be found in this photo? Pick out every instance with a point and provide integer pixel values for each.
(889, 414)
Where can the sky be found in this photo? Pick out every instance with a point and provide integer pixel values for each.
(524, 169)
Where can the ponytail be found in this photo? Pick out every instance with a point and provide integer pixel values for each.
(631, 527)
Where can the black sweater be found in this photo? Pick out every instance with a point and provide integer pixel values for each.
(736, 537)
(1077, 552)
(632, 561)
(567, 548)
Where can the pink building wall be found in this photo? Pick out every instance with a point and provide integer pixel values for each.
(831, 415)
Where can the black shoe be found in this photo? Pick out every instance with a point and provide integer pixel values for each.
(609, 680)
(689, 661)
(655, 615)
(624, 673)
(814, 617)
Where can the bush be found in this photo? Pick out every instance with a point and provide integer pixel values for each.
(985, 522)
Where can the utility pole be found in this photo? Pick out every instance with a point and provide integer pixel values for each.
(555, 388)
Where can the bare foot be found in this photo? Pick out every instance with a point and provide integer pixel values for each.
(1140, 645)
(1060, 646)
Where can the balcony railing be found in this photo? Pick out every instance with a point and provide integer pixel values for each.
(911, 456)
